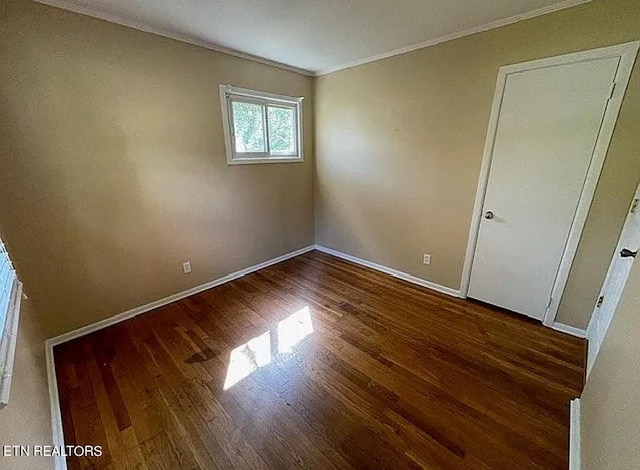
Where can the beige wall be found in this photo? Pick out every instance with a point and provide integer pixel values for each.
(610, 413)
(399, 146)
(113, 173)
(113, 168)
(26, 420)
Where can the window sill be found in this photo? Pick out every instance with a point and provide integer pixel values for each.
(253, 161)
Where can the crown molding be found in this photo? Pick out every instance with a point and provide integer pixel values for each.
(450, 37)
(95, 13)
(87, 11)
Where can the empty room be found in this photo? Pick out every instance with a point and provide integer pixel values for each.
(317, 234)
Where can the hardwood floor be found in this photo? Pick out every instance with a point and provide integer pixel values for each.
(318, 363)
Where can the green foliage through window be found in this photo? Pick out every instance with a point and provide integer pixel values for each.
(248, 127)
(252, 125)
(281, 129)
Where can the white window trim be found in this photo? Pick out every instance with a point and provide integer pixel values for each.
(227, 91)
(9, 335)
(8, 344)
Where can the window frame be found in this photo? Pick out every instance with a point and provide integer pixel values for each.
(229, 94)
(11, 291)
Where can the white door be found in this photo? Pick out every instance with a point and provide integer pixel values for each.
(615, 281)
(547, 128)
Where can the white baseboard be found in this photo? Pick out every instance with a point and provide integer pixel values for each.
(63, 338)
(574, 435)
(59, 462)
(570, 330)
(390, 271)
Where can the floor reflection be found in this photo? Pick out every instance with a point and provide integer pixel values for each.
(257, 352)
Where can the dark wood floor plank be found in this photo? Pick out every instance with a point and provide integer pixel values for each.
(318, 363)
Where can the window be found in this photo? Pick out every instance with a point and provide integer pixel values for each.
(10, 294)
(261, 127)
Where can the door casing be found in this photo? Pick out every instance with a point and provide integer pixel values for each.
(602, 315)
(627, 53)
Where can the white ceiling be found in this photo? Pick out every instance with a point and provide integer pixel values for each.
(317, 36)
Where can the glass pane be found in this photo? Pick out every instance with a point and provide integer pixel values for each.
(282, 130)
(248, 127)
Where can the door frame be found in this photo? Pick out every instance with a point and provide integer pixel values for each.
(592, 353)
(627, 53)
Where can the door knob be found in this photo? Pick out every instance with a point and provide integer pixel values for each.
(627, 253)
(488, 215)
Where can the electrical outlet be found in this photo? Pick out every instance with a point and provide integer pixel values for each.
(186, 267)
(426, 259)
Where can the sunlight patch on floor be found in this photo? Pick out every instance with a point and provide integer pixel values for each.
(257, 352)
(294, 329)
